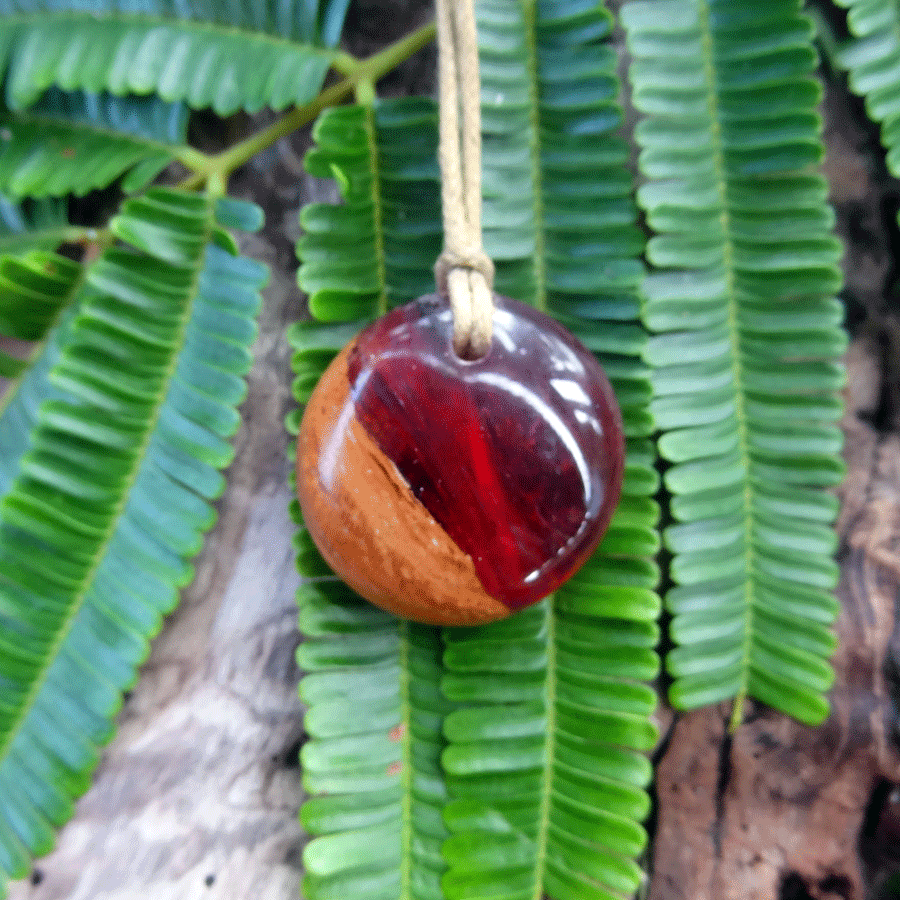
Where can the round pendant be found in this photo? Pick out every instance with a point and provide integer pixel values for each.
(456, 492)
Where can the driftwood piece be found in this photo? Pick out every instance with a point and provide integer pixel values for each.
(779, 810)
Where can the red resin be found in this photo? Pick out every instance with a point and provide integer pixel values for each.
(518, 455)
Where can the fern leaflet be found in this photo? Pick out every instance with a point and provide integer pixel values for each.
(872, 62)
(373, 682)
(746, 345)
(76, 143)
(222, 56)
(545, 762)
(90, 559)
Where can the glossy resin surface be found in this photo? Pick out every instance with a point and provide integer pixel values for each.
(517, 457)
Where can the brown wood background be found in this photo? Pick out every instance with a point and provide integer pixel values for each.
(197, 795)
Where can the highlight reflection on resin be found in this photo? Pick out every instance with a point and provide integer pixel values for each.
(453, 491)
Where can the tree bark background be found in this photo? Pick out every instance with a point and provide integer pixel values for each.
(197, 795)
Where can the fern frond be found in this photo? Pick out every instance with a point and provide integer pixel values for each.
(371, 253)
(52, 290)
(873, 63)
(746, 346)
(373, 757)
(34, 288)
(111, 496)
(33, 225)
(373, 682)
(223, 56)
(76, 143)
(546, 765)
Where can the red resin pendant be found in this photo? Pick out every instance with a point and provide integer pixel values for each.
(456, 492)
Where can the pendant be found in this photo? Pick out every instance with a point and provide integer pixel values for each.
(453, 491)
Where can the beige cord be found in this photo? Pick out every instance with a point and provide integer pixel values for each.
(464, 273)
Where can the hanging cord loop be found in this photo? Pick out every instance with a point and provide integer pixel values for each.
(464, 273)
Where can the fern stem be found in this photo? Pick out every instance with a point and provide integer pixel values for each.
(722, 180)
(543, 835)
(194, 159)
(406, 762)
(377, 211)
(537, 187)
(345, 63)
(225, 163)
(379, 64)
(359, 72)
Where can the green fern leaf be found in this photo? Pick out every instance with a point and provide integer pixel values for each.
(746, 345)
(37, 286)
(871, 61)
(33, 225)
(222, 56)
(76, 143)
(373, 682)
(34, 288)
(21, 402)
(90, 560)
(546, 763)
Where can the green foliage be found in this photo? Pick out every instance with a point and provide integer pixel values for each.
(501, 761)
(223, 56)
(36, 288)
(540, 725)
(34, 225)
(872, 59)
(76, 143)
(375, 704)
(545, 766)
(746, 346)
(128, 367)
(150, 373)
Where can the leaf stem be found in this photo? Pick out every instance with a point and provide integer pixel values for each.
(358, 72)
(344, 63)
(377, 210)
(377, 66)
(539, 258)
(733, 324)
(542, 839)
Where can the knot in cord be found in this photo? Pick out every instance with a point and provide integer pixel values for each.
(473, 258)
(464, 273)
